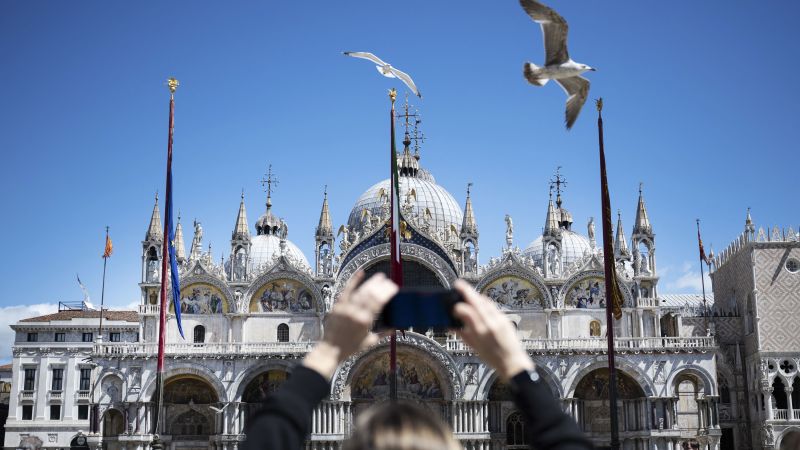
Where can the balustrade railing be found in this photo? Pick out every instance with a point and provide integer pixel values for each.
(780, 414)
(148, 309)
(205, 348)
(646, 302)
(796, 414)
(600, 344)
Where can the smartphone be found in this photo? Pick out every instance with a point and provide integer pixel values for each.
(421, 309)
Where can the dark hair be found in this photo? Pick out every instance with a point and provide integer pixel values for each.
(400, 426)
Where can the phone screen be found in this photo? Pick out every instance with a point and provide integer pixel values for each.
(420, 309)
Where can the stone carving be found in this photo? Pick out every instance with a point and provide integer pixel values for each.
(767, 434)
(509, 231)
(470, 374)
(327, 297)
(590, 229)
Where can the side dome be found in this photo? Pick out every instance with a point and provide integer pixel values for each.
(265, 248)
(443, 208)
(573, 246)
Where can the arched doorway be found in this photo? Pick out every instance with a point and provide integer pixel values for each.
(113, 426)
(688, 389)
(501, 422)
(790, 439)
(420, 380)
(591, 395)
(260, 387)
(415, 274)
(188, 416)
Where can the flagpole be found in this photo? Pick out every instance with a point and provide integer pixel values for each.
(159, 393)
(103, 290)
(703, 278)
(610, 282)
(395, 264)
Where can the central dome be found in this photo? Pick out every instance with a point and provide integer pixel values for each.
(443, 207)
(573, 246)
(266, 248)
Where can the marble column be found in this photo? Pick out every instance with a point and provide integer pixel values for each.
(767, 392)
(789, 390)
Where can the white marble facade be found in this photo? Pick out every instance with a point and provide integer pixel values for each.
(248, 321)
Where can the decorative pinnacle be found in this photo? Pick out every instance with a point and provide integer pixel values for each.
(242, 193)
(641, 185)
(393, 95)
(173, 84)
(469, 187)
(599, 104)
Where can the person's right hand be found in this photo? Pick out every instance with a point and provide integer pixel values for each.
(347, 325)
(490, 333)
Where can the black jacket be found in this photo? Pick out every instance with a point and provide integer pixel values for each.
(285, 421)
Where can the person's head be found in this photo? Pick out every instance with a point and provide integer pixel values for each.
(400, 426)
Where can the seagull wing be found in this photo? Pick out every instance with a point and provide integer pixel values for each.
(577, 89)
(366, 55)
(554, 31)
(407, 80)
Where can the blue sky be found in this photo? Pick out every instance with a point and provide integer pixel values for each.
(700, 106)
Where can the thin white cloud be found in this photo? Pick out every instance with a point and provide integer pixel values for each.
(687, 280)
(10, 315)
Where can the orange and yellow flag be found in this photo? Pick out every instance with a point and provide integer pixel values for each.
(109, 247)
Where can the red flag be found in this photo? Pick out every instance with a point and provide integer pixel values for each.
(703, 256)
(109, 247)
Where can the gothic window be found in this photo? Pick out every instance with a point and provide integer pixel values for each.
(283, 333)
(724, 391)
(152, 272)
(779, 400)
(515, 432)
(199, 334)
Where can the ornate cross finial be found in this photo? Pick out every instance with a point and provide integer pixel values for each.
(268, 182)
(469, 187)
(325, 192)
(641, 185)
(406, 116)
(173, 84)
(419, 137)
(558, 181)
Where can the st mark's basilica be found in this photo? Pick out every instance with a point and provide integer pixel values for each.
(721, 375)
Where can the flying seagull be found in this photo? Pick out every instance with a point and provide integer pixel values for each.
(558, 65)
(387, 70)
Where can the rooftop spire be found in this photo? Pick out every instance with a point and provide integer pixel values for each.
(558, 181)
(267, 183)
(154, 231)
(408, 164)
(749, 227)
(469, 226)
(620, 246)
(325, 227)
(551, 222)
(642, 225)
(180, 250)
(241, 230)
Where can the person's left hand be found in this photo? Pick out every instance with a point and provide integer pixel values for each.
(347, 325)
